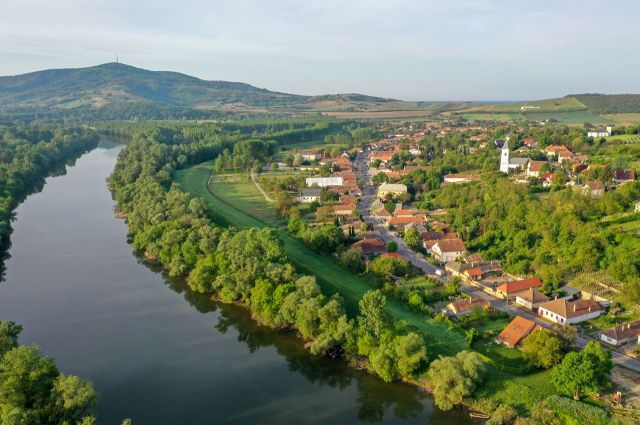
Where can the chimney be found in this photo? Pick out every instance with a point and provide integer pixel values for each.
(589, 309)
(574, 307)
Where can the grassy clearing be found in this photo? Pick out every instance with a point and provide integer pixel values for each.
(332, 277)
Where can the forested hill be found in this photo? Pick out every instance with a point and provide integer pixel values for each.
(610, 103)
(116, 82)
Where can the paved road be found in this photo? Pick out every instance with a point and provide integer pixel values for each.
(364, 207)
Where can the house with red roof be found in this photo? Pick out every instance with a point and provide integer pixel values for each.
(564, 312)
(623, 176)
(395, 255)
(516, 287)
(370, 246)
(516, 331)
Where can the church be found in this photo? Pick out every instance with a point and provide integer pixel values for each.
(507, 163)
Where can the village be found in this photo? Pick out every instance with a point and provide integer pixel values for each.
(364, 195)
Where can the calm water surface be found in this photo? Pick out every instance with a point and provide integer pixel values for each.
(156, 352)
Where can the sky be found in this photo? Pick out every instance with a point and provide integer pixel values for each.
(410, 50)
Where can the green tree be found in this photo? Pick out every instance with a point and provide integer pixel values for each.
(454, 378)
(392, 246)
(380, 178)
(412, 238)
(374, 318)
(72, 397)
(275, 166)
(542, 349)
(284, 204)
(352, 260)
(9, 332)
(585, 371)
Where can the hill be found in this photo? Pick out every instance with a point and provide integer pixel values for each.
(115, 82)
(610, 103)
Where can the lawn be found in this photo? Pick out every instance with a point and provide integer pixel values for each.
(627, 119)
(502, 354)
(332, 278)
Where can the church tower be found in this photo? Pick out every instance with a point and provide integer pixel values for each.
(504, 158)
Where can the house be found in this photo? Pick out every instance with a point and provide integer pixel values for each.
(324, 181)
(473, 258)
(392, 255)
(621, 334)
(593, 189)
(623, 176)
(507, 163)
(403, 221)
(382, 213)
(370, 246)
(531, 299)
(403, 213)
(460, 178)
(515, 287)
(599, 132)
(533, 168)
(564, 156)
(578, 168)
(564, 312)
(343, 209)
(460, 308)
(310, 195)
(553, 150)
(474, 273)
(446, 250)
(530, 143)
(516, 331)
(393, 189)
(523, 149)
(348, 199)
(369, 234)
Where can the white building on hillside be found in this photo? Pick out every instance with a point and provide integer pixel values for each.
(325, 181)
(599, 132)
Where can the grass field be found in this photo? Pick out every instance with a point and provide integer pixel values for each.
(561, 104)
(333, 278)
(626, 138)
(627, 119)
(579, 117)
(381, 114)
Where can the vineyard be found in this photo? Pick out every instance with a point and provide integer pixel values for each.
(597, 283)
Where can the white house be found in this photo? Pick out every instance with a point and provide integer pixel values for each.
(599, 132)
(531, 299)
(460, 178)
(621, 334)
(309, 195)
(563, 312)
(507, 163)
(325, 181)
(446, 250)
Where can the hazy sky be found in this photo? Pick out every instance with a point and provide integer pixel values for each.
(411, 50)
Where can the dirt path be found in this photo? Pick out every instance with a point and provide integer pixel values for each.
(626, 379)
(253, 178)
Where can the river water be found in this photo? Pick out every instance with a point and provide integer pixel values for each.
(157, 352)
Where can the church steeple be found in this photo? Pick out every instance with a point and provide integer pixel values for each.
(504, 158)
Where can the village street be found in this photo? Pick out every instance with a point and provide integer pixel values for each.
(369, 194)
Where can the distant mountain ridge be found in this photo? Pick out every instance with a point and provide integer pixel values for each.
(116, 82)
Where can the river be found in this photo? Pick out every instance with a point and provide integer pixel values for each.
(157, 352)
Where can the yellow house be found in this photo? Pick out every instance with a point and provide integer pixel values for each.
(394, 189)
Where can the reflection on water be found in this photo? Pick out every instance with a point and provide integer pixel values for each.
(105, 315)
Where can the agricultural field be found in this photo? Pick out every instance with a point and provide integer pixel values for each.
(625, 119)
(382, 114)
(626, 138)
(561, 104)
(575, 118)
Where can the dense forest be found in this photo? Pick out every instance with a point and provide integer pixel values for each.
(610, 103)
(27, 156)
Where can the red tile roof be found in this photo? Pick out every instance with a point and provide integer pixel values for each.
(520, 285)
(392, 255)
(516, 331)
(370, 245)
(565, 309)
(624, 175)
